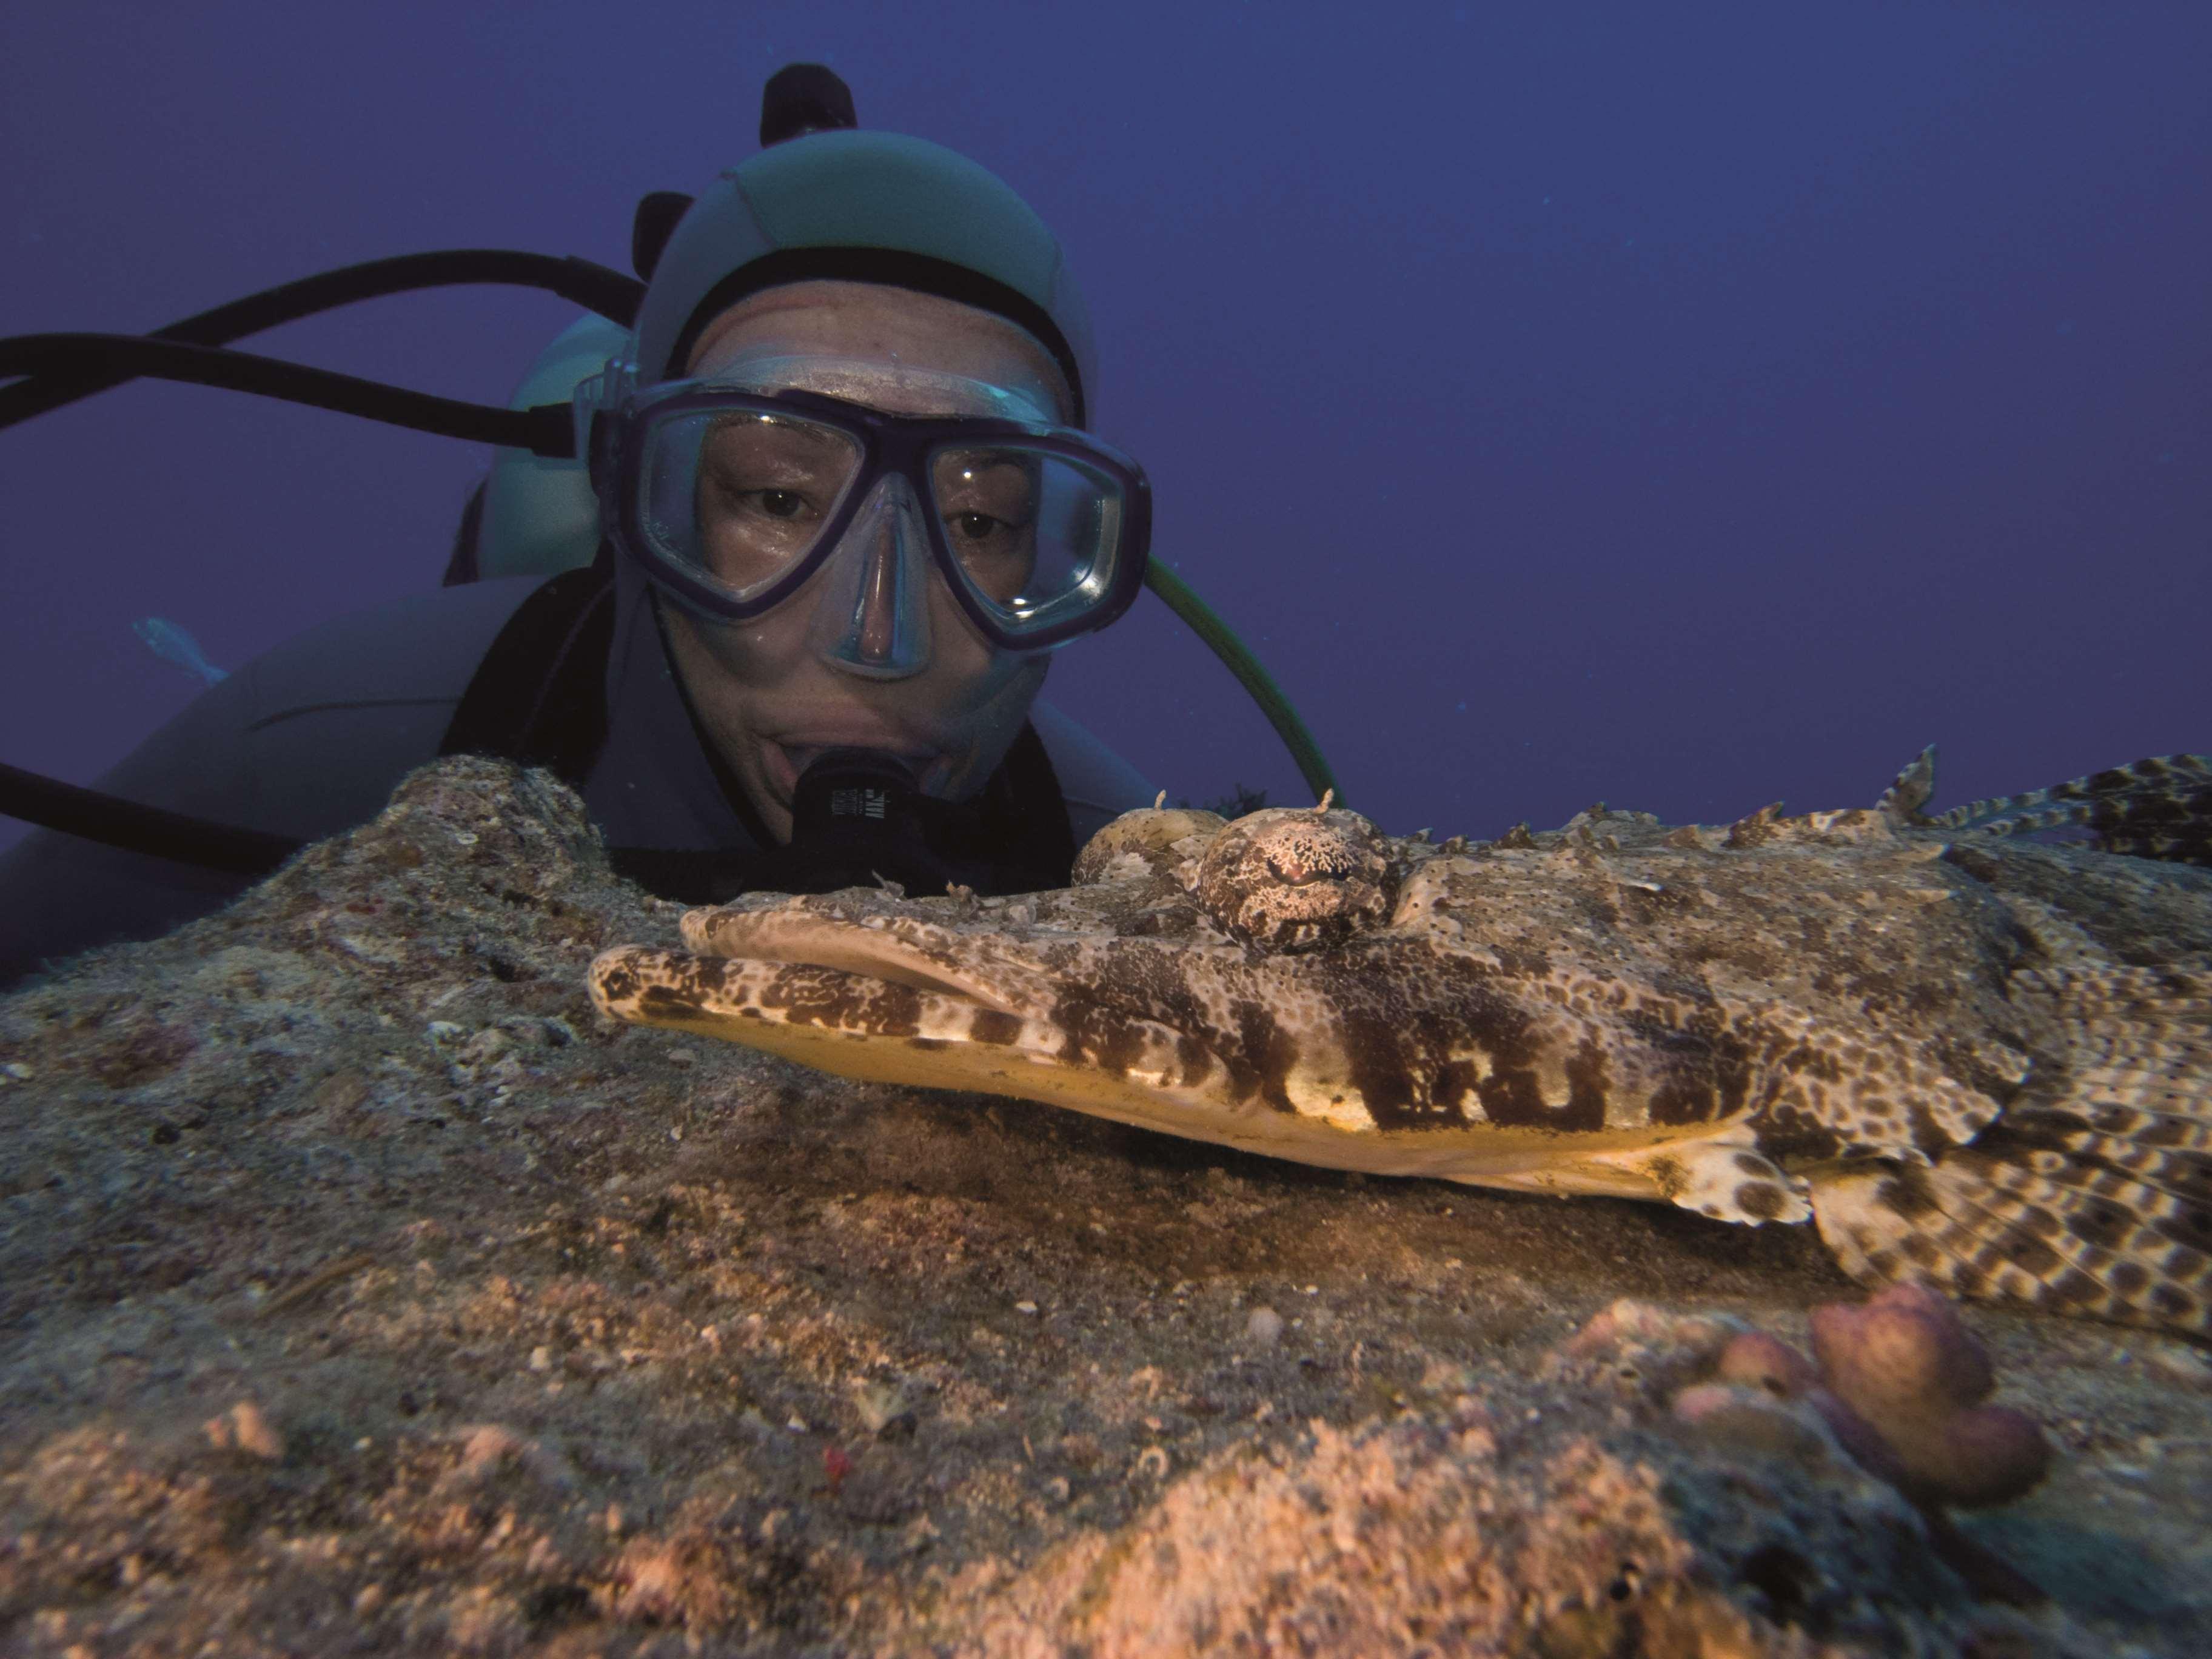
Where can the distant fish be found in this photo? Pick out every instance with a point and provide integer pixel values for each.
(172, 644)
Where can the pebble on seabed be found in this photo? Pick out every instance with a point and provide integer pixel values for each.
(2180, 1363)
(1264, 1328)
(243, 1428)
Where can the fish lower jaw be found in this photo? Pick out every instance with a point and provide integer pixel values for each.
(1146, 1074)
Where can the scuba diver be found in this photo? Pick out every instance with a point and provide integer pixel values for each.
(820, 517)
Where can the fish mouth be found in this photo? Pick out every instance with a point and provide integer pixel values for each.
(886, 999)
(880, 1005)
(898, 950)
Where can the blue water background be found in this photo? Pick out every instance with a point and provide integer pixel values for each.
(1689, 406)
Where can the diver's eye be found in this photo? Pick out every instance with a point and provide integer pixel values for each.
(998, 554)
(781, 503)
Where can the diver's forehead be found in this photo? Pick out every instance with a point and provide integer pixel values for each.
(893, 348)
(885, 383)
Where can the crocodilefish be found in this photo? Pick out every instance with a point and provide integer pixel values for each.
(1968, 1057)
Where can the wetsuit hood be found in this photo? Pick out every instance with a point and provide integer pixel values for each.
(871, 207)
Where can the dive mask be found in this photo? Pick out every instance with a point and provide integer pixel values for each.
(732, 496)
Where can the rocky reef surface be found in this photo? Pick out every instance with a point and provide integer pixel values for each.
(363, 1292)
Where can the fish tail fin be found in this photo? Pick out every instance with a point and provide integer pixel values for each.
(2157, 808)
(2092, 1194)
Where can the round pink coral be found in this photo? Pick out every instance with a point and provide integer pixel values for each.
(1758, 1360)
(1904, 1351)
(1906, 1366)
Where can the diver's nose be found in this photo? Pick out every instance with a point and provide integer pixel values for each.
(873, 616)
(876, 636)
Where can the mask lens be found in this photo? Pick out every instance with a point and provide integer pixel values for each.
(1036, 534)
(739, 496)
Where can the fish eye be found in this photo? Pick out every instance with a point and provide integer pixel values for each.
(1295, 879)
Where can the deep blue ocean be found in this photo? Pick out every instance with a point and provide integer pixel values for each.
(1686, 406)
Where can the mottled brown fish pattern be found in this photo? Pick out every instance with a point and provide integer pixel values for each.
(1969, 1058)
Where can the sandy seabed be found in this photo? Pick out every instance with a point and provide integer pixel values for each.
(363, 1292)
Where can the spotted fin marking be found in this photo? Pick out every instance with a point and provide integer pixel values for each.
(2093, 1195)
(1724, 1179)
(2159, 808)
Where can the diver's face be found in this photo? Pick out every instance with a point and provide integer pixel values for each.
(775, 691)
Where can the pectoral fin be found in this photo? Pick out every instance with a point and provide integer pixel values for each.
(1726, 1180)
